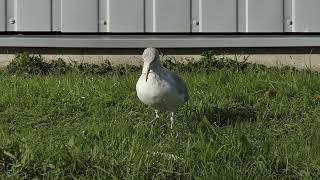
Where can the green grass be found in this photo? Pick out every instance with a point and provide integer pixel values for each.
(91, 126)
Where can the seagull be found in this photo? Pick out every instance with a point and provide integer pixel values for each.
(158, 87)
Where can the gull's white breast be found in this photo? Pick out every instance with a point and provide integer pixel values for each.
(158, 92)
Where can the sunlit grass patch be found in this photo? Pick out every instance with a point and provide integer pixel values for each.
(90, 125)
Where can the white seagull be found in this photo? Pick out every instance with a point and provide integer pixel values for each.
(158, 87)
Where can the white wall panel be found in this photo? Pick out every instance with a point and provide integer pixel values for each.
(171, 16)
(11, 15)
(125, 16)
(306, 15)
(2, 15)
(103, 16)
(261, 15)
(168, 15)
(56, 15)
(33, 15)
(79, 16)
(216, 15)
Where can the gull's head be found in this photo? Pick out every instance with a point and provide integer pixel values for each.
(150, 59)
(150, 55)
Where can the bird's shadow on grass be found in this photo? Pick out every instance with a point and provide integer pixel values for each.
(227, 116)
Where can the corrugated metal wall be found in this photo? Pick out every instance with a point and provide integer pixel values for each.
(160, 15)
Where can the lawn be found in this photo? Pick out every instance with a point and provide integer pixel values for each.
(240, 123)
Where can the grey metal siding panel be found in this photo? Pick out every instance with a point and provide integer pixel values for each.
(79, 16)
(125, 16)
(56, 15)
(148, 15)
(261, 16)
(195, 15)
(217, 16)
(160, 15)
(288, 19)
(2, 15)
(11, 15)
(33, 15)
(168, 15)
(242, 16)
(306, 15)
(102, 16)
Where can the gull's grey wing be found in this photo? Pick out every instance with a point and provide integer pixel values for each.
(179, 85)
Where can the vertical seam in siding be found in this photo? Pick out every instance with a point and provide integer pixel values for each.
(144, 16)
(200, 17)
(190, 16)
(98, 16)
(293, 15)
(237, 15)
(51, 15)
(154, 16)
(5, 16)
(15, 7)
(283, 16)
(108, 15)
(61, 16)
(247, 15)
